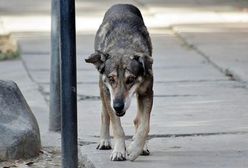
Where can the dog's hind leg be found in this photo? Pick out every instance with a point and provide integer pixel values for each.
(136, 122)
(142, 125)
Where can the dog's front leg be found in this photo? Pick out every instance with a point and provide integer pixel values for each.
(105, 121)
(119, 152)
(104, 132)
(144, 109)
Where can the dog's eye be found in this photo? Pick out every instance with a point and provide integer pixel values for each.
(130, 80)
(111, 79)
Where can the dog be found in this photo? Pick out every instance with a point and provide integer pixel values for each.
(123, 57)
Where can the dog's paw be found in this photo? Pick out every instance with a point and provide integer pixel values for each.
(117, 156)
(133, 152)
(104, 145)
(145, 152)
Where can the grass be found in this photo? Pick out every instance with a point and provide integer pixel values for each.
(9, 55)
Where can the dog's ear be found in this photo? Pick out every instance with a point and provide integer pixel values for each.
(146, 61)
(98, 59)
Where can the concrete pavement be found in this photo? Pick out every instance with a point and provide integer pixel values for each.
(200, 109)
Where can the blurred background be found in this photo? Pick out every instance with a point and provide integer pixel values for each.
(34, 16)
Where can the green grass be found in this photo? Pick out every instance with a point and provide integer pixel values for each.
(9, 55)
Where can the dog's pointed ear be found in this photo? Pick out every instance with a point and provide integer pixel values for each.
(98, 59)
(146, 61)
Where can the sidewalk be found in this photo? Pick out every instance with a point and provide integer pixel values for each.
(199, 118)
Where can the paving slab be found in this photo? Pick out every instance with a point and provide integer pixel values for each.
(191, 97)
(223, 44)
(222, 151)
(172, 62)
(183, 109)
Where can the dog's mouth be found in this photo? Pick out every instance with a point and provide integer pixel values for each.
(120, 114)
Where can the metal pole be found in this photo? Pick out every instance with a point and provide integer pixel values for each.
(68, 84)
(55, 97)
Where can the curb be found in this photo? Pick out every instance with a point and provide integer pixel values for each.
(84, 161)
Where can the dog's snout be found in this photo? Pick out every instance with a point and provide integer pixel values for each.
(118, 106)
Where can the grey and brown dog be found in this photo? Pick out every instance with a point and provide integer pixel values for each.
(122, 56)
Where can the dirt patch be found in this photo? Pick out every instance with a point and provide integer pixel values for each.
(50, 157)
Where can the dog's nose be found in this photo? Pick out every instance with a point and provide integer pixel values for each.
(118, 106)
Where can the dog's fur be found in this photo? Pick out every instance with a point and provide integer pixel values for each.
(122, 56)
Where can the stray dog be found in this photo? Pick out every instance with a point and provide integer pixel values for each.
(122, 56)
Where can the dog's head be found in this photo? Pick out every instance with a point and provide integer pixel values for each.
(122, 75)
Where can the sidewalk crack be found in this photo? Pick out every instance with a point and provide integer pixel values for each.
(129, 137)
(225, 71)
(40, 88)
